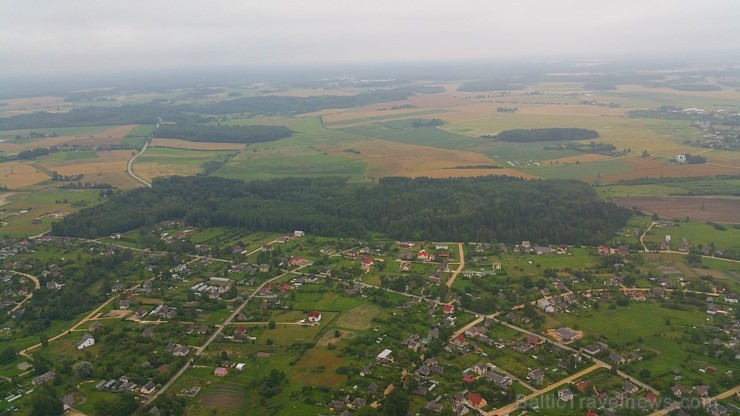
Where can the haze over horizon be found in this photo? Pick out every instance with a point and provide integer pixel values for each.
(89, 36)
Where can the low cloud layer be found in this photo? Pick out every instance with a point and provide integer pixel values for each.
(47, 36)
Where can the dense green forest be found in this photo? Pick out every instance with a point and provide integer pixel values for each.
(223, 134)
(491, 208)
(543, 135)
(190, 113)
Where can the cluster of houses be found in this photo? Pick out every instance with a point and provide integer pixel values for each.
(552, 304)
(178, 350)
(214, 288)
(249, 269)
(123, 385)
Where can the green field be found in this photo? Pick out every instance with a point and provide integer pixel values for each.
(586, 170)
(138, 136)
(74, 155)
(403, 116)
(249, 166)
(647, 326)
(62, 131)
(423, 136)
(697, 233)
(527, 152)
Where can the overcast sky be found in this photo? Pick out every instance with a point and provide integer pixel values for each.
(44, 36)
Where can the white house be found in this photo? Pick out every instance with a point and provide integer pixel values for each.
(384, 355)
(87, 341)
(314, 316)
(565, 395)
(148, 388)
(681, 158)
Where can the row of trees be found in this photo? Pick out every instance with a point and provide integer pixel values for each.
(543, 135)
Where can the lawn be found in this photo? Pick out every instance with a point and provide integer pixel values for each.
(359, 317)
(697, 233)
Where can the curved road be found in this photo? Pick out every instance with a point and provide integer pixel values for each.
(72, 328)
(129, 166)
(36, 284)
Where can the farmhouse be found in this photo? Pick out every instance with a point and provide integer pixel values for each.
(220, 372)
(87, 341)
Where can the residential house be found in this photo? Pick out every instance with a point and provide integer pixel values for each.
(384, 356)
(314, 317)
(424, 256)
(220, 372)
(366, 263)
(496, 265)
(536, 375)
(543, 250)
(565, 394)
(629, 388)
(42, 378)
(567, 334)
(701, 391)
(616, 358)
(479, 369)
(87, 341)
(679, 390)
(476, 400)
(148, 388)
(716, 409)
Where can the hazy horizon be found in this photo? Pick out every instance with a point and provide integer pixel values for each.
(84, 36)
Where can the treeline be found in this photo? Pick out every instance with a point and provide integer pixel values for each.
(192, 113)
(481, 86)
(486, 208)
(695, 87)
(223, 134)
(593, 147)
(543, 135)
(419, 122)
